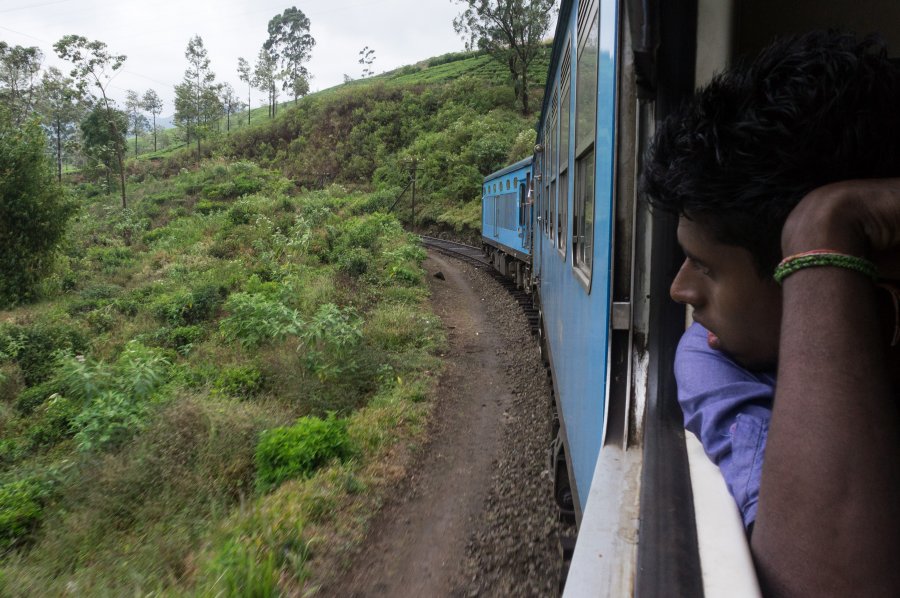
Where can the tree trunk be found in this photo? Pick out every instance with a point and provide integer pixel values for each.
(525, 91)
(58, 150)
(154, 131)
(248, 104)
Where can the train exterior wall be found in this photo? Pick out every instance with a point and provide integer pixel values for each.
(576, 308)
(506, 215)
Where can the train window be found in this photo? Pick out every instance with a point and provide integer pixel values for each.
(546, 160)
(564, 130)
(554, 164)
(516, 182)
(585, 134)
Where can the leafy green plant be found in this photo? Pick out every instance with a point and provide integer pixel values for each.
(330, 339)
(239, 382)
(254, 319)
(299, 450)
(20, 510)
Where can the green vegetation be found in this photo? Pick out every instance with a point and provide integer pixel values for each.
(33, 210)
(213, 387)
(192, 354)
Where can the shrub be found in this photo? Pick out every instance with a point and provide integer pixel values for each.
(183, 307)
(254, 319)
(331, 339)
(20, 510)
(354, 261)
(299, 450)
(54, 421)
(240, 570)
(39, 342)
(239, 382)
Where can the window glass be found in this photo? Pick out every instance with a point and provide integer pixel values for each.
(585, 133)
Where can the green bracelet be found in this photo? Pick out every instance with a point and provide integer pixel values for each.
(815, 258)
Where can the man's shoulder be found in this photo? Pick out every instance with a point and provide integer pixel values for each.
(697, 365)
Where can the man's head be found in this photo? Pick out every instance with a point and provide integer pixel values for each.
(735, 160)
(809, 110)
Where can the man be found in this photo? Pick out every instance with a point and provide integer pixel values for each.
(790, 156)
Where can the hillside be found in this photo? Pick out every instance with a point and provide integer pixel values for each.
(210, 395)
(455, 116)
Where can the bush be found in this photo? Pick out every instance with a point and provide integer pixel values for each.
(20, 511)
(331, 339)
(255, 318)
(54, 422)
(238, 382)
(34, 210)
(184, 307)
(42, 340)
(298, 451)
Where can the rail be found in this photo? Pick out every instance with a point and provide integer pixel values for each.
(476, 257)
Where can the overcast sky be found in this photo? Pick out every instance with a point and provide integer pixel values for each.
(154, 35)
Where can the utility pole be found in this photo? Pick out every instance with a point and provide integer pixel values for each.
(412, 175)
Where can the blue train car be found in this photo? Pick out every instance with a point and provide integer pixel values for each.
(654, 516)
(506, 219)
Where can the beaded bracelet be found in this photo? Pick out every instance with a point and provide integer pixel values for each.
(824, 257)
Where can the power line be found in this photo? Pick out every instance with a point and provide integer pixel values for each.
(33, 6)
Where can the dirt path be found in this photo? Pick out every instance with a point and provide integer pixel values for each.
(417, 545)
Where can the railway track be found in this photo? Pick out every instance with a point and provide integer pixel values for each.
(475, 257)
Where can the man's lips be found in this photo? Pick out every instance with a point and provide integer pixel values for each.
(713, 341)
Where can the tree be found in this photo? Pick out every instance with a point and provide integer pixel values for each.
(265, 76)
(102, 140)
(34, 210)
(18, 68)
(152, 103)
(510, 31)
(95, 66)
(137, 122)
(246, 75)
(291, 45)
(366, 58)
(61, 107)
(197, 104)
(230, 102)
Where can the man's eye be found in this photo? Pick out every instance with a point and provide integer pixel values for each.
(700, 267)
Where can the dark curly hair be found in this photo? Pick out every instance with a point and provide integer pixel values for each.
(809, 110)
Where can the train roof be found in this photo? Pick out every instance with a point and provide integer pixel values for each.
(559, 38)
(511, 168)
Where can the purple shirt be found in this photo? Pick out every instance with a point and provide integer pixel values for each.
(728, 409)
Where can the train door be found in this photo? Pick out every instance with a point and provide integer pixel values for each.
(497, 203)
(524, 220)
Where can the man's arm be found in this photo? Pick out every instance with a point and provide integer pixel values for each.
(828, 521)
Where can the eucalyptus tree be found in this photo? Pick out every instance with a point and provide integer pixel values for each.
(137, 122)
(231, 104)
(102, 140)
(265, 75)
(291, 44)
(19, 67)
(197, 105)
(245, 72)
(94, 67)
(510, 31)
(153, 104)
(61, 106)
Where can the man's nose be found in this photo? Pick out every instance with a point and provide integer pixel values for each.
(684, 287)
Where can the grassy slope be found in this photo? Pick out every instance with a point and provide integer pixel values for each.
(225, 302)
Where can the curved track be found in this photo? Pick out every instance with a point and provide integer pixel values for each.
(474, 256)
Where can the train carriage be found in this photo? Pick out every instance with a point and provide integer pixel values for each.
(653, 513)
(506, 219)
